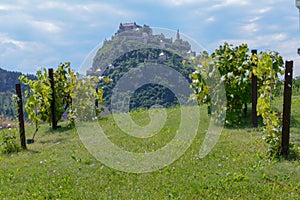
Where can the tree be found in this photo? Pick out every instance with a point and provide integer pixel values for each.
(296, 84)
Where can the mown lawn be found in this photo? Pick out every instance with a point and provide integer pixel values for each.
(57, 166)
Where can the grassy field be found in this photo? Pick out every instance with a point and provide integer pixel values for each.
(57, 166)
(295, 117)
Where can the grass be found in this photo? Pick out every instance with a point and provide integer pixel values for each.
(295, 117)
(57, 166)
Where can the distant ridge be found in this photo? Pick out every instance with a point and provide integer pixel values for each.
(8, 81)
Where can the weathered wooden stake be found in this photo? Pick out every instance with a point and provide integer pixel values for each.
(53, 109)
(96, 102)
(245, 110)
(21, 117)
(254, 96)
(287, 108)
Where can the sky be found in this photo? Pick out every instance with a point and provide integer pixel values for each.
(41, 33)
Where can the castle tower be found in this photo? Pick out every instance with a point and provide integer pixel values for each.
(177, 35)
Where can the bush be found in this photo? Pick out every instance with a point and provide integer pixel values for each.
(8, 142)
(233, 65)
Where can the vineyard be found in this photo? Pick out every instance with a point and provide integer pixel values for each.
(257, 155)
(58, 166)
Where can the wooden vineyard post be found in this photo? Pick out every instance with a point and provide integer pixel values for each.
(97, 102)
(288, 79)
(254, 95)
(53, 109)
(21, 117)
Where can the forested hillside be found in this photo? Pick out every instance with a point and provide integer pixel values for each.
(149, 94)
(8, 81)
(133, 46)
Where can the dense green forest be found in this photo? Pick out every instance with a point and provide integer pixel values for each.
(149, 94)
(8, 81)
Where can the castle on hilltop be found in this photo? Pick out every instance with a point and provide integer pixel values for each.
(132, 35)
(128, 26)
(133, 31)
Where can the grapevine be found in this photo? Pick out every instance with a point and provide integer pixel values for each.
(269, 65)
(38, 97)
(234, 66)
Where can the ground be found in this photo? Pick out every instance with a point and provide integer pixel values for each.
(58, 166)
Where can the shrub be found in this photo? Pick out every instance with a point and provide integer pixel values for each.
(8, 142)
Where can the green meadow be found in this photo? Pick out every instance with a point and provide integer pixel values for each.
(58, 166)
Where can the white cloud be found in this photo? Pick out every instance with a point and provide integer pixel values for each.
(11, 43)
(46, 26)
(214, 4)
(5, 7)
(182, 2)
(279, 37)
(226, 3)
(250, 28)
(178, 2)
(8, 42)
(236, 2)
(75, 9)
(210, 19)
(46, 5)
(254, 19)
(264, 10)
(26, 52)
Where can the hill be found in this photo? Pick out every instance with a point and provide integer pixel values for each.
(8, 80)
(133, 46)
